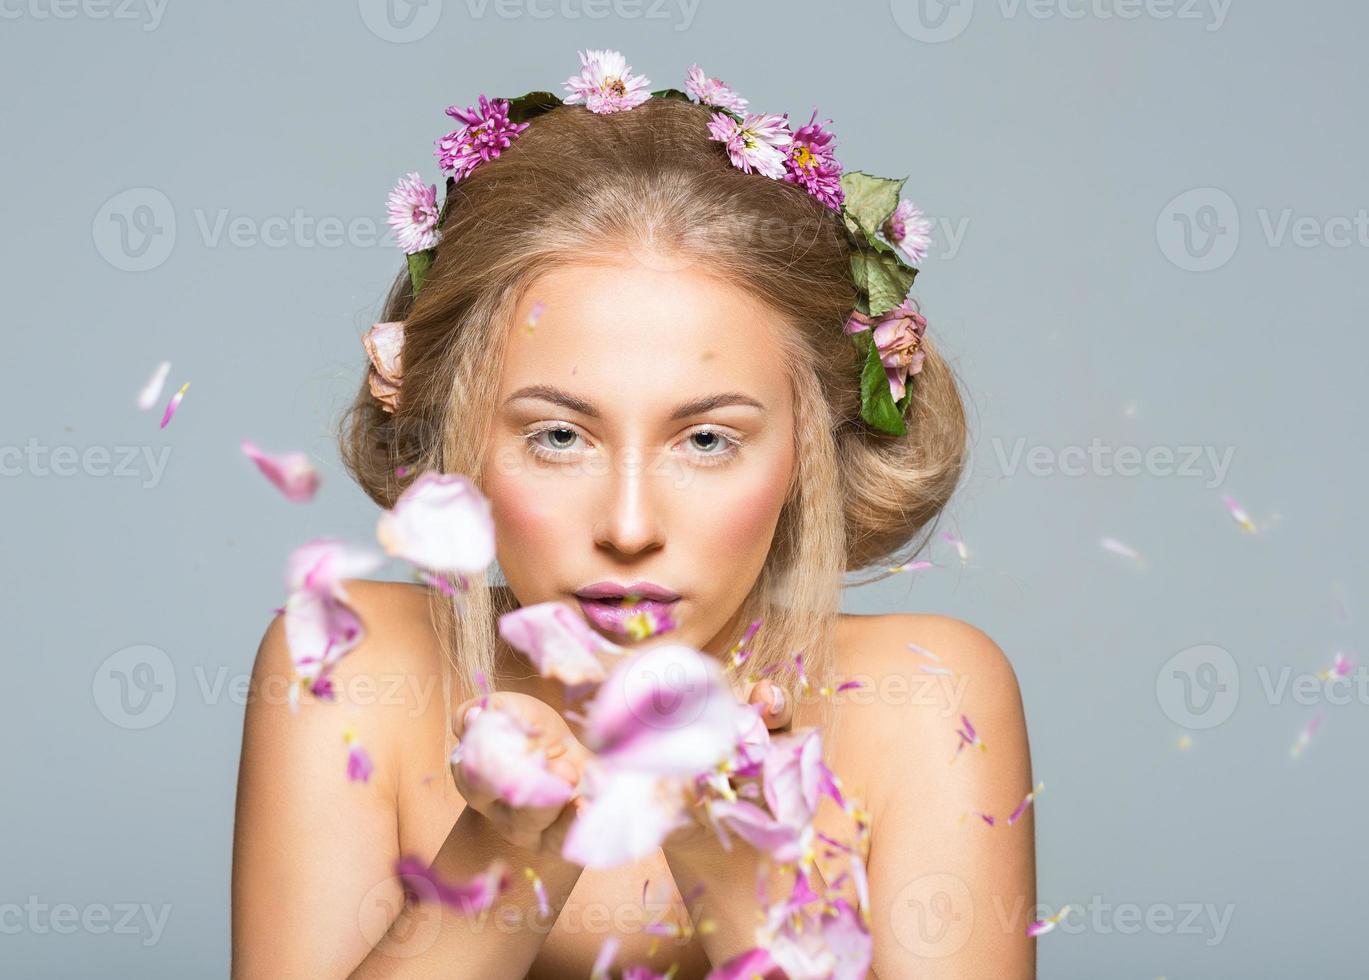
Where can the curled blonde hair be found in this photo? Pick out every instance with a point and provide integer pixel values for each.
(576, 186)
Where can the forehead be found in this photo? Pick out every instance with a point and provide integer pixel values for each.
(641, 336)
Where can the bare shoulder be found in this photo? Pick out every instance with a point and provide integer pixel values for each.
(923, 675)
(298, 804)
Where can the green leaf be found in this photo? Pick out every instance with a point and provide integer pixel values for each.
(882, 278)
(671, 93)
(419, 263)
(876, 401)
(525, 107)
(869, 201)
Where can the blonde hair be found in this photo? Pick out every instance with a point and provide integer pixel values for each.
(577, 185)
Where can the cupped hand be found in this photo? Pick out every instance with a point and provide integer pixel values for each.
(537, 828)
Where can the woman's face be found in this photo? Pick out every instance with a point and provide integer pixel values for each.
(643, 432)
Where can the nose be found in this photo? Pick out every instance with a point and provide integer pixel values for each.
(631, 521)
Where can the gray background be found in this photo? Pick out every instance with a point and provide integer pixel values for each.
(1061, 149)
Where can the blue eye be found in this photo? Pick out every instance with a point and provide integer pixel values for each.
(719, 446)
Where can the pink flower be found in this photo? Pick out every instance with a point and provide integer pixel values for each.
(909, 230)
(487, 132)
(413, 213)
(898, 337)
(757, 143)
(383, 343)
(557, 641)
(441, 523)
(712, 91)
(811, 163)
(291, 473)
(832, 945)
(606, 83)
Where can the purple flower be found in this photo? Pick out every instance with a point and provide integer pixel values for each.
(909, 231)
(413, 213)
(485, 134)
(606, 83)
(812, 164)
(712, 91)
(757, 143)
(898, 338)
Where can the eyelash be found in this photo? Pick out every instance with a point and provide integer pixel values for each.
(733, 443)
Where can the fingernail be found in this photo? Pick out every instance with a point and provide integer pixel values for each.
(471, 714)
(777, 700)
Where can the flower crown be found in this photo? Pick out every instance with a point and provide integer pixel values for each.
(888, 235)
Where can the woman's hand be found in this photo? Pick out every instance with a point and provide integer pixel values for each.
(538, 829)
(778, 712)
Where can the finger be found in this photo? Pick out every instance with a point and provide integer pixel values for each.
(466, 711)
(774, 703)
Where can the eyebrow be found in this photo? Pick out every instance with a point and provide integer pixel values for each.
(696, 406)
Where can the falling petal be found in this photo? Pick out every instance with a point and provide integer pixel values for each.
(1042, 926)
(915, 566)
(1120, 548)
(1340, 666)
(498, 755)
(1305, 736)
(172, 405)
(359, 767)
(607, 951)
(625, 818)
(557, 642)
(1238, 514)
(960, 547)
(441, 523)
(739, 650)
(290, 473)
(147, 397)
(1026, 802)
(1185, 742)
(539, 889)
(422, 884)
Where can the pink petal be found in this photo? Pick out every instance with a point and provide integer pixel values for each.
(383, 343)
(422, 884)
(557, 641)
(172, 405)
(496, 755)
(667, 710)
(441, 523)
(627, 817)
(150, 392)
(291, 473)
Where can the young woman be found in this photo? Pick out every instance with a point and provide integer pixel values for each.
(634, 347)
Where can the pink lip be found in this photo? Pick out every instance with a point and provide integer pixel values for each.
(610, 590)
(610, 615)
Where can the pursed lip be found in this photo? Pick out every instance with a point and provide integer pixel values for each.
(617, 590)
